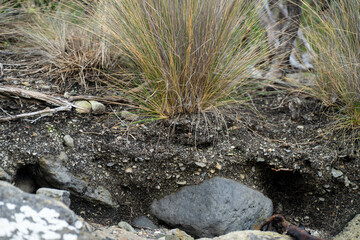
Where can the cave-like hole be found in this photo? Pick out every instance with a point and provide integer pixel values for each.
(25, 178)
(29, 178)
(290, 188)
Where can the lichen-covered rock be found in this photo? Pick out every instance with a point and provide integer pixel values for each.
(251, 235)
(29, 216)
(216, 207)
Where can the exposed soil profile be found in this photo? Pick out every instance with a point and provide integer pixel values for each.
(267, 144)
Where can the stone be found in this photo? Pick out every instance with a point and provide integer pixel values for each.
(97, 108)
(114, 233)
(4, 176)
(126, 226)
(351, 231)
(129, 116)
(83, 106)
(29, 216)
(177, 234)
(59, 195)
(216, 207)
(144, 222)
(69, 141)
(56, 174)
(336, 173)
(251, 235)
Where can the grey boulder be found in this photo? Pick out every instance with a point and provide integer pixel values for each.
(30, 216)
(216, 207)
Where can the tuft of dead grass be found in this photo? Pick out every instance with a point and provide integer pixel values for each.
(189, 56)
(7, 16)
(73, 53)
(334, 35)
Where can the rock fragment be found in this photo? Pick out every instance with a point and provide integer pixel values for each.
(4, 176)
(69, 141)
(59, 195)
(129, 116)
(144, 222)
(336, 173)
(55, 173)
(83, 106)
(126, 226)
(97, 107)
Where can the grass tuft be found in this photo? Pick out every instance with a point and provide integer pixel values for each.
(334, 35)
(189, 55)
(74, 53)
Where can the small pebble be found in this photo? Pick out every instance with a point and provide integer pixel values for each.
(83, 106)
(336, 173)
(128, 116)
(126, 226)
(97, 107)
(69, 141)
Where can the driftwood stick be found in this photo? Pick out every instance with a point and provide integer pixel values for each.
(109, 100)
(34, 95)
(62, 104)
(23, 115)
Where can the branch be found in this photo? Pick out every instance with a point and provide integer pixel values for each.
(35, 95)
(23, 115)
(62, 104)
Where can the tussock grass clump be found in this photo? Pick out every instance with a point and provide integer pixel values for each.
(75, 52)
(7, 17)
(190, 55)
(334, 35)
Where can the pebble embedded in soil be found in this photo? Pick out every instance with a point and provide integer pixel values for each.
(83, 106)
(69, 141)
(336, 173)
(129, 116)
(126, 226)
(97, 107)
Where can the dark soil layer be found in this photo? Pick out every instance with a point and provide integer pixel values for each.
(275, 144)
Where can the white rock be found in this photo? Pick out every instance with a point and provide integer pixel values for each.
(69, 141)
(336, 173)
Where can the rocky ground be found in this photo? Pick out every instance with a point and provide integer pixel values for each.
(115, 165)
